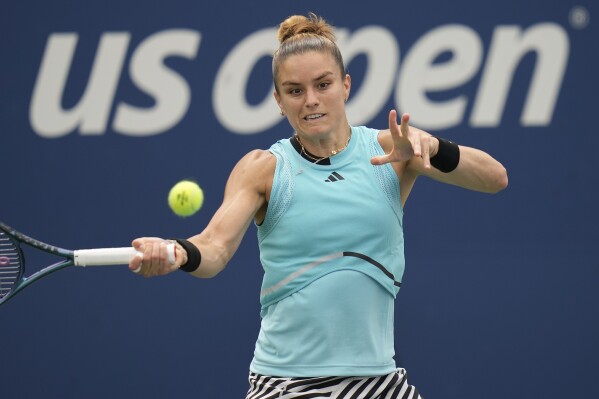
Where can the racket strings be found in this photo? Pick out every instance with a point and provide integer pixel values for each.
(10, 265)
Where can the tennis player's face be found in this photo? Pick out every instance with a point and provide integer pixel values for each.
(312, 94)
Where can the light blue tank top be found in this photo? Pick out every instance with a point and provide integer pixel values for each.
(339, 325)
(332, 250)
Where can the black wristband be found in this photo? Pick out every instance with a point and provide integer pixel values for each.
(194, 257)
(447, 157)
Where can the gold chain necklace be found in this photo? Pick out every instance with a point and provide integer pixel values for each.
(315, 159)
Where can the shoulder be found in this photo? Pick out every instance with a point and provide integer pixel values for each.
(401, 168)
(252, 177)
(383, 137)
(254, 169)
(256, 162)
(258, 157)
(385, 140)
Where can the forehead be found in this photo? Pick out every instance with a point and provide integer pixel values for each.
(307, 66)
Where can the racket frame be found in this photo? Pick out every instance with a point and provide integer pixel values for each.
(88, 257)
(19, 238)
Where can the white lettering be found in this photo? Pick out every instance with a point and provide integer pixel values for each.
(428, 84)
(382, 53)
(229, 93)
(420, 74)
(508, 47)
(169, 90)
(47, 116)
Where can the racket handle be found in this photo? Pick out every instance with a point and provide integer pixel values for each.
(112, 256)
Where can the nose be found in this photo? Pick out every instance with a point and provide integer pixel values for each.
(311, 98)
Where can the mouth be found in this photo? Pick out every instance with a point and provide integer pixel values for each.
(313, 117)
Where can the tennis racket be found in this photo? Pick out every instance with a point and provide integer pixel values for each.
(12, 260)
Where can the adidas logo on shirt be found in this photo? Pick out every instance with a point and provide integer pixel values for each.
(333, 177)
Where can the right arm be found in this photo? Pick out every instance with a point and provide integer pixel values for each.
(246, 195)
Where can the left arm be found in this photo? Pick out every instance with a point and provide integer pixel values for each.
(476, 171)
(413, 148)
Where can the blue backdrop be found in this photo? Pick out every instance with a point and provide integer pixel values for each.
(104, 105)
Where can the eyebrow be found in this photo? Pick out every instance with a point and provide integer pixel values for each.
(324, 75)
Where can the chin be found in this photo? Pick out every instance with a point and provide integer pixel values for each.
(315, 129)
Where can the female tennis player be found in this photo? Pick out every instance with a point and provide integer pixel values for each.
(328, 204)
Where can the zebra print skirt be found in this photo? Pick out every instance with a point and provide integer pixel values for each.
(390, 386)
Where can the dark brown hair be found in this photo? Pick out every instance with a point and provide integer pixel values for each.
(300, 34)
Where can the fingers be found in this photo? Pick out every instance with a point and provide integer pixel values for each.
(380, 160)
(153, 259)
(412, 136)
(405, 127)
(395, 131)
(135, 263)
(398, 132)
(408, 142)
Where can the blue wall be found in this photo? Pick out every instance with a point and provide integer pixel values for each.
(499, 297)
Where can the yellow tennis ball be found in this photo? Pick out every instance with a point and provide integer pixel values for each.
(186, 198)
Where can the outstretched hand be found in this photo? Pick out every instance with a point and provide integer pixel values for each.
(407, 142)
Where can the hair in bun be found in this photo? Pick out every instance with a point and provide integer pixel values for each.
(299, 34)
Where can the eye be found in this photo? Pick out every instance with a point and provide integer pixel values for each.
(323, 85)
(294, 92)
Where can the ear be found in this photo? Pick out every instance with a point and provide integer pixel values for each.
(347, 86)
(278, 100)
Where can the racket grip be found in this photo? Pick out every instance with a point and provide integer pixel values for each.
(112, 256)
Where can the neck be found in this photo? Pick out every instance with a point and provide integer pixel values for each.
(320, 151)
